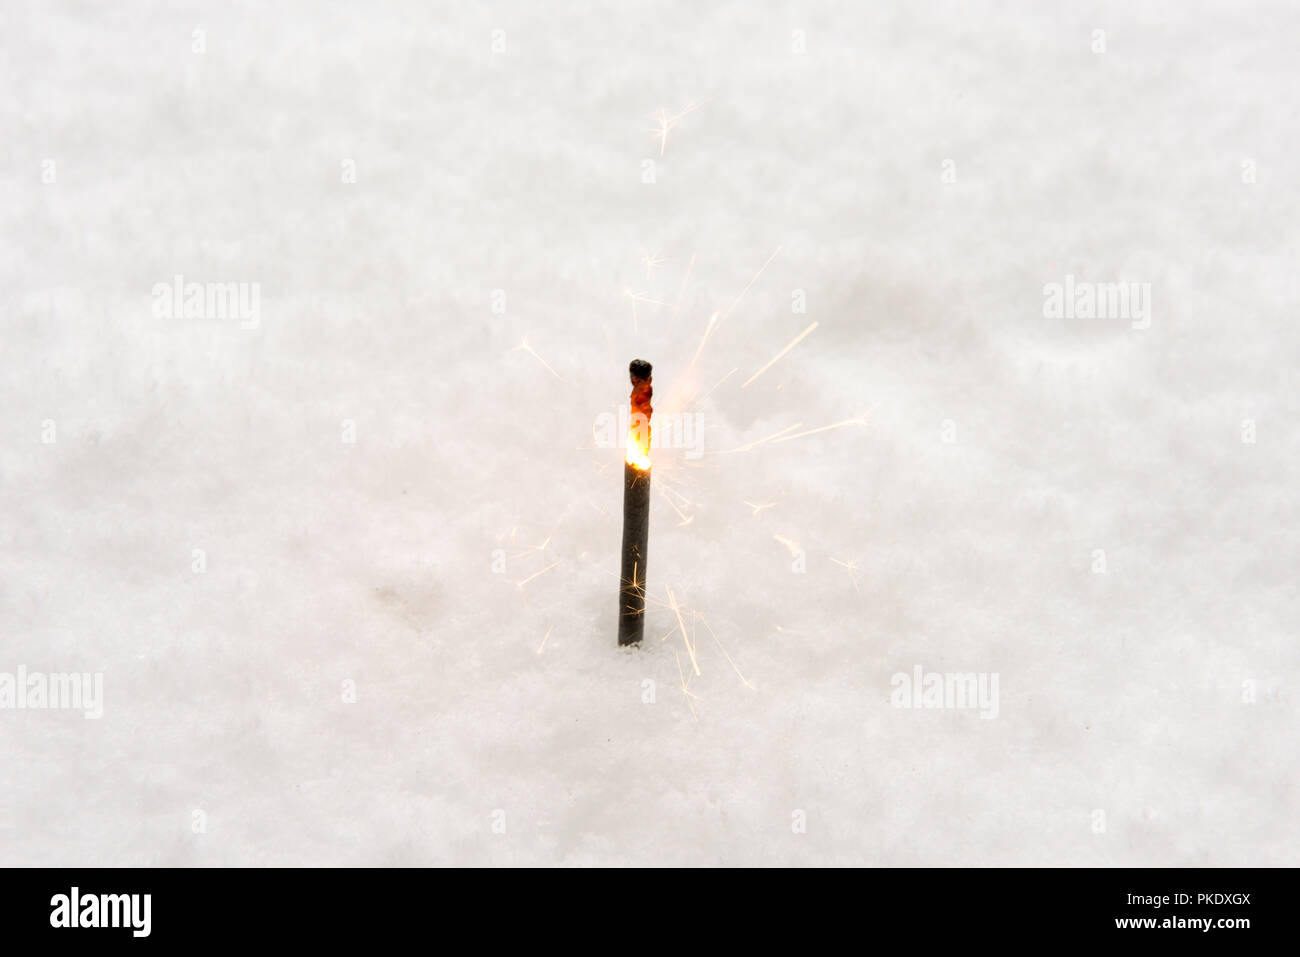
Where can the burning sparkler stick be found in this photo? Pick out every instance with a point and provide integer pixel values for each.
(636, 509)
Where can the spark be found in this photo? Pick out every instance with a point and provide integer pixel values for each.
(851, 567)
(682, 674)
(666, 489)
(666, 123)
(535, 574)
(771, 362)
(794, 546)
(649, 599)
(685, 688)
(682, 288)
(636, 589)
(782, 437)
(759, 508)
(743, 679)
(685, 519)
(548, 635)
(636, 297)
(711, 391)
(719, 316)
(713, 321)
(825, 428)
(651, 261)
(530, 550)
(681, 625)
(758, 442)
(523, 344)
(735, 302)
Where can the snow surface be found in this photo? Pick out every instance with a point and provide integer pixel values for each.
(494, 720)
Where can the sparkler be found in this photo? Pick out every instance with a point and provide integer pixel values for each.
(636, 509)
(633, 597)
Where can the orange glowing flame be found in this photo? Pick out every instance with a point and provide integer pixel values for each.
(638, 435)
(638, 449)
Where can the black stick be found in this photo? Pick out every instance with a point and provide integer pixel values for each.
(636, 510)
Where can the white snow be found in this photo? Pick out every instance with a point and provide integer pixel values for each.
(1146, 712)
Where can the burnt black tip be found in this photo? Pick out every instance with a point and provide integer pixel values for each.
(639, 369)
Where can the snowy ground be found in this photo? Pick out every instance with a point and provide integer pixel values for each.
(376, 494)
